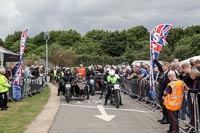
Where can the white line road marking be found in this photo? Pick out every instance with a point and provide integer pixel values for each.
(98, 101)
(78, 102)
(94, 107)
(104, 116)
(89, 101)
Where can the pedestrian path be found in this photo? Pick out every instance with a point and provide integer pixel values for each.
(43, 121)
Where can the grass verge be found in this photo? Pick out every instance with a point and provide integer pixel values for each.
(20, 114)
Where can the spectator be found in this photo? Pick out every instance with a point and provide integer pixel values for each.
(27, 72)
(163, 81)
(14, 69)
(195, 75)
(4, 85)
(8, 73)
(197, 64)
(36, 72)
(142, 72)
(192, 64)
(186, 74)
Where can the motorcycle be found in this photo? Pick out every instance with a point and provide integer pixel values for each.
(68, 93)
(75, 89)
(91, 85)
(115, 97)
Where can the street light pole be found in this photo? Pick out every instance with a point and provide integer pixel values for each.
(46, 37)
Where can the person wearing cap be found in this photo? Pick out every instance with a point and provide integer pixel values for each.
(4, 87)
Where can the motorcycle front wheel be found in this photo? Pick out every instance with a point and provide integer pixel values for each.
(67, 95)
(117, 98)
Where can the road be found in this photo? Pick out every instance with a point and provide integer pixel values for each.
(91, 116)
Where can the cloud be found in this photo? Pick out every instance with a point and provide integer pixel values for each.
(85, 15)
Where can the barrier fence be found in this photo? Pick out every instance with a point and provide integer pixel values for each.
(30, 86)
(188, 114)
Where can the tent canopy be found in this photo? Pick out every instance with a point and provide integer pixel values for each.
(188, 60)
(8, 56)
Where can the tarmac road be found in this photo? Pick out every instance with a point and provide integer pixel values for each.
(91, 116)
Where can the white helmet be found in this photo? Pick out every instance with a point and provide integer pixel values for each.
(112, 72)
(108, 69)
(67, 68)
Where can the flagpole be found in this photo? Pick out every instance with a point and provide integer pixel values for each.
(151, 79)
(46, 37)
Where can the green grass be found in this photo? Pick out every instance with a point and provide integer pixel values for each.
(20, 114)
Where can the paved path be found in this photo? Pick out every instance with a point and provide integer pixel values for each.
(44, 120)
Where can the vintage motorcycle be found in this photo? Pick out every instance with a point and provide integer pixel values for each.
(115, 97)
(76, 89)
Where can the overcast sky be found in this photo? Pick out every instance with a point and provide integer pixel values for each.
(85, 15)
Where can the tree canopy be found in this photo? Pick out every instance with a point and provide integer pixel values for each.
(68, 47)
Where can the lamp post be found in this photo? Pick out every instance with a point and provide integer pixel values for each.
(46, 37)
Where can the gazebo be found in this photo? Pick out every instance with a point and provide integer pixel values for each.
(8, 56)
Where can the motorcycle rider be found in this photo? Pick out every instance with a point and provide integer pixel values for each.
(105, 76)
(65, 76)
(90, 74)
(61, 86)
(111, 79)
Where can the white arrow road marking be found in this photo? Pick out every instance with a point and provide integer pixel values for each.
(104, 116)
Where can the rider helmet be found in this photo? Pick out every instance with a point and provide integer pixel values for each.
(112, 72)
(67, 68)
(108, 69)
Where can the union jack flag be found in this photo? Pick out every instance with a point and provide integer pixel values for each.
(158, 37)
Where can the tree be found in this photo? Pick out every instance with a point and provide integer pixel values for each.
(113, 44)
(69, 38)
(38, 39)
(11, 39)
(96, 35)
(61, 57)
(1, 42)
(174, 36)
(183, 48)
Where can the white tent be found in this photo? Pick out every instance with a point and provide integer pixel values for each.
(188, 60)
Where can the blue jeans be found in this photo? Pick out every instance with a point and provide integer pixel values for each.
(183, 110)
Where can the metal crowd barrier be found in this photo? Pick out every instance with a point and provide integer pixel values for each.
(139, 89)
(30, 86)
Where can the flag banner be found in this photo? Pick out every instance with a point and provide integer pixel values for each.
(17, 79)
(158, 38)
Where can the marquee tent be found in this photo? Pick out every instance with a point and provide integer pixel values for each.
(188, 60)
